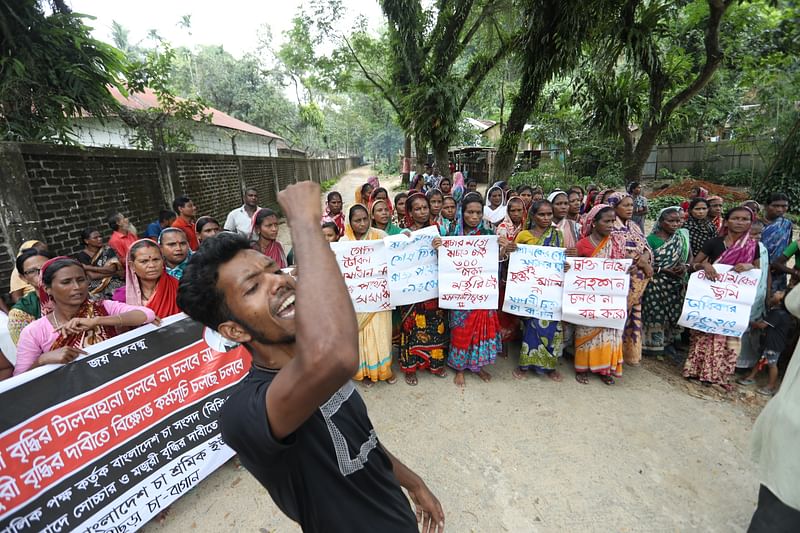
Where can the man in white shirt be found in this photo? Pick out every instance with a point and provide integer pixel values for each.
(240, 219)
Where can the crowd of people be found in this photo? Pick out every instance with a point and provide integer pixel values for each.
(591, 222)
(61, 305)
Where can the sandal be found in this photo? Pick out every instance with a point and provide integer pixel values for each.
(519, 373)
(608, 380)
(766, 391)
(442, 374)
(555, 375)
(746, 381)
(411, 379)
(368, 383)
(582, 378)
(392, 380)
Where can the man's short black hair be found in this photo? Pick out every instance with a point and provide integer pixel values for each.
(777, 197)
(198, 295)
(179, 202)
(166, 215)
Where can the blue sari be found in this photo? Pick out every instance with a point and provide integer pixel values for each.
(776, 237)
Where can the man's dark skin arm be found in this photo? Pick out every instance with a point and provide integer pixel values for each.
(325, 352)
(429, 511)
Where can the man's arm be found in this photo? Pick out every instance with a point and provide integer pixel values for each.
(326, 345)
(427, 507)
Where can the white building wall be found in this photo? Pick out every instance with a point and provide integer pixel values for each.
(208, 139)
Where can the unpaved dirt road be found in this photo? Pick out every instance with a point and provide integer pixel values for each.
(650, 454)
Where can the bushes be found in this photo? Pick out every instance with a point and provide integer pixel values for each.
(550, 175)
(660, 202)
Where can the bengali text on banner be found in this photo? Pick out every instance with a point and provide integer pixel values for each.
(722, 306)
(596, 292)
(106, 442)
(412, 267)
(468, 272)
(535, 282)
(363, 265)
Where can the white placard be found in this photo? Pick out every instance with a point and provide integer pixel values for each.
(720, 307)
(535, 282)
(412, 267)
(468, 272)
(596, 292)
(363, 265)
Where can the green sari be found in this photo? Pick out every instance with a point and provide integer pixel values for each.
(663, 297)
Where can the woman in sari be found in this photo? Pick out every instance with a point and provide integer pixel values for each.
(495, 210)
(446, 186)
(101, 263)
(777, 234)
(636, 246)
(18, 287)
(147, 282)
(399, 215)
(458, 188)
(541, 339)
(265, 227)
(448, 218)
(750, 350)
(698, 225)
(374, 329)
(363, 193)
(474, 335)
(712, 358)
(28, 308)
(663, 297)
(507, 232)
(416, 184)
(333, 211)
(380, 194)
(75, 321)
(423, 326)
(599, 350)
(715, 205)
(568, 227)
(382, 220)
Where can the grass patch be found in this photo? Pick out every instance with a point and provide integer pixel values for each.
(328, 184)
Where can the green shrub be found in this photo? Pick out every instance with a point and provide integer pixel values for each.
(328, 184)
(660, 202)
(549, 175)
(737, 177)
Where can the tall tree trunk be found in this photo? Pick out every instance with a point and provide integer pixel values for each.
(422, 154)
(406, 160)
(442, 158)
(521, 109)
(635, 157)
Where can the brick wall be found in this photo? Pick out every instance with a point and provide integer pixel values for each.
(52, 193)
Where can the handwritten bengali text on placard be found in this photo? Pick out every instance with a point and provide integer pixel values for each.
(535, 282)
(468, 272)
(596, 292)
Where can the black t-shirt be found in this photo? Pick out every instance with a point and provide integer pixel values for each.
(331, 474)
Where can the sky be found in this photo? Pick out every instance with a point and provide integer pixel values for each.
(231, 23)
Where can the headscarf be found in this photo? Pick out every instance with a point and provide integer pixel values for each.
(494, 216)
(699, 230)
(337, 219)
(45, 303)
(374, 181)
(615, 198)
(445, 225)
(743, 250)
(602, 198)
(717, 221)
(371, 233)
(568, 227)
(660, 217)
(703, 192)
(458, 187)
(373, 199)
(507, 228)
(163, 301)
(391, 227)
(586, 229)
(409, 220)
(27, 245)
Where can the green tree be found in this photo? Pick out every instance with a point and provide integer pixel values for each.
(51, 70)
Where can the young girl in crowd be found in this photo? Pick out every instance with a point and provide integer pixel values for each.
(445, 186)
(435, 199)
(374, 329)
(599, 350)
(380, 194)
(448, 218)
(541, 339)
(568, 227)
(423, 326)
(206, 227)
(330, 231)
(526, 193)
(475, 334)
(712, 358)
(265, 226)
(333, 211)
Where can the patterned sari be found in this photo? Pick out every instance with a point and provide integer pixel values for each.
(475, 338)
(663, 297)
(712, 358)
(374, 330)
(700, 230)
(542, 340)
(776, 237)
(88, 309)
(599, 350)
(423, 335)
(509, 324)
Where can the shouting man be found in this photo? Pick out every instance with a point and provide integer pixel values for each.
(296, 420)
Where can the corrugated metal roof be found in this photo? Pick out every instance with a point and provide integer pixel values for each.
(148, 99)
